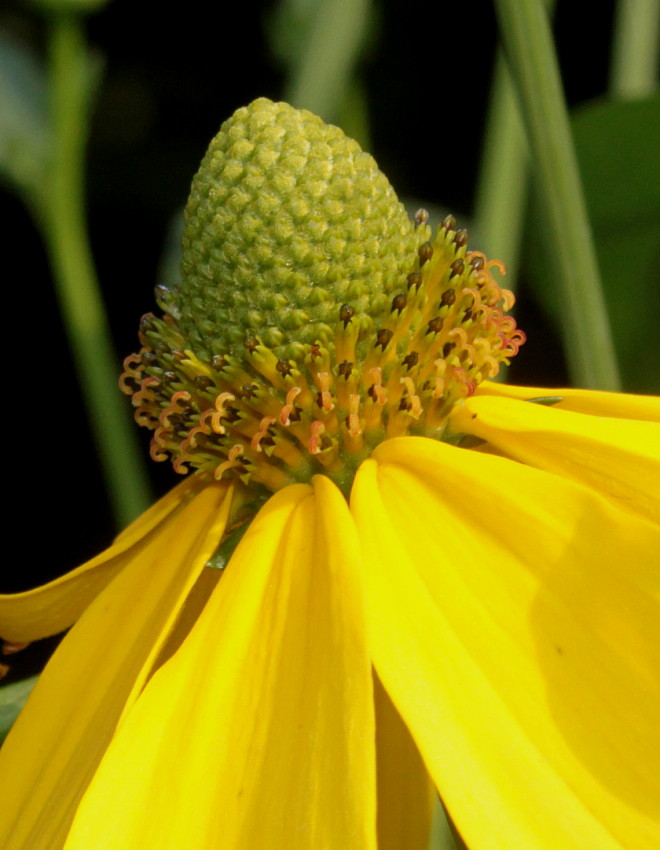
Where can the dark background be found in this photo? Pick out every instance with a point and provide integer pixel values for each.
(168, 82)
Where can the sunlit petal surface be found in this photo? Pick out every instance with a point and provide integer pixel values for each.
(515, 624)
(406, 795)
(620, 458)
(259, 731)
(55, 606)
(63, 731)
(594, 402)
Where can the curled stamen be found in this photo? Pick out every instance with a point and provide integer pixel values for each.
(264, 425)
(232, 461)
(145, 394)
(218, 414)
(317, 429)
(354, 428)
(323, 383)
(376, 390)
(412, 398)
(287, 410)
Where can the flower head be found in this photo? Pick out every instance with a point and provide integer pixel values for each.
(449, 584)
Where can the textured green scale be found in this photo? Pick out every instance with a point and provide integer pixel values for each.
(287, 220)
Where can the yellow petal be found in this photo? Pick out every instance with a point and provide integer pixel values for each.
(515, 624)
(259, 731)
(595, 402)
(406, 796)
(52, 608)
(619, 458)
(55, 746)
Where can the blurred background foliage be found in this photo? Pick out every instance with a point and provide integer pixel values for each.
(411, 80)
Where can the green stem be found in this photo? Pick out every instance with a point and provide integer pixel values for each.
(320, 80)
(634, 66)
(63, 218)
(530, 52)
(502, 185)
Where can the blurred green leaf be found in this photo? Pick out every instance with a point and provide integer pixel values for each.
(618, 149)
(12, 700)
(24, 125)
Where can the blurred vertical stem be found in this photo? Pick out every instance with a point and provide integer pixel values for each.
(530, 52)
(320, 79)
(634, 65)
(502, 184)
(64, 223)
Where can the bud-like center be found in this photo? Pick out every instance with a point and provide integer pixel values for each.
(295, 349)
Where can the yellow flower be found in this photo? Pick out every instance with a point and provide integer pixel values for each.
(451, 587)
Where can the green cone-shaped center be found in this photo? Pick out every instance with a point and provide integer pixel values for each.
(287, 220)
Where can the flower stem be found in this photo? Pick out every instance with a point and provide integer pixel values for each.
(635, 49)
(320, 80)
(502, 186)
(63, 219)
(531, 56)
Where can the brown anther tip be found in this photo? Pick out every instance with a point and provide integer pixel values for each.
(179, 355)
(457, 267)
(425, 252)
(411, 360)
(315, 351)
(449, 223)
(477, 263)
(461, 238)
(346, 313)
(448, 298)
(202, 382)
(344, 369)
(399, 302)
(251, 343)
(247, 391)
(414, 279)
(169, 377)
(147, 323)
(383, 336)
(218, 362)
(283, 366)
(421, 216)
(447, 348)
(149, 358)
(434, 326)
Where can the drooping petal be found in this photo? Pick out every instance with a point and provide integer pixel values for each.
(619, 458)
(406, 795)
(515, 623)
(52, 608)
(594, 402)
(259, 731)
(59, 738)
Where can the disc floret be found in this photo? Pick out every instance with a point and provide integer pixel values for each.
(414, 339)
